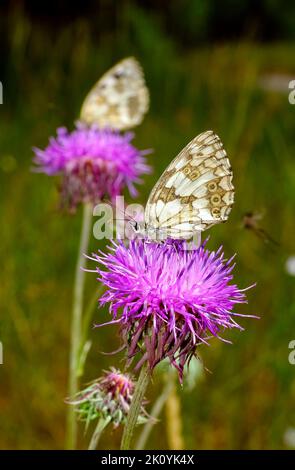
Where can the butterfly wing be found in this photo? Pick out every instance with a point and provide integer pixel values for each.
(195, 191)
(119, 99)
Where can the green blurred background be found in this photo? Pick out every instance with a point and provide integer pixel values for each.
(221, 65)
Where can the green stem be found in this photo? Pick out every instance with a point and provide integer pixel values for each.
(174, 420)
(155, 412)
(134, 411)
(87, 317)
(101, 425)
(85, 344)
(72, 427)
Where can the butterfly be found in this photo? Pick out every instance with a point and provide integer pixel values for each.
(119, 99)
(194, 193)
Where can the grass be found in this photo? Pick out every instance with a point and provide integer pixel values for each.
(247, 400)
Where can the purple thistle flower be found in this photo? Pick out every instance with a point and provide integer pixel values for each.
(168, 299)
(95, 163)
(108, 397)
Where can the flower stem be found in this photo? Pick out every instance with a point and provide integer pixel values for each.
(72, 427)
(173, 420)
(155, 412)
(86, 321)
(132, 417)
(101, 425)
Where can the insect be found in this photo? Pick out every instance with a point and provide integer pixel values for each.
(251, 222)
(194, 193)
(119, 99)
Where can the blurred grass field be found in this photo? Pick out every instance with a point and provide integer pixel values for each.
(247, 401)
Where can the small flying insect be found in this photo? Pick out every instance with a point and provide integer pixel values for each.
(251, 222)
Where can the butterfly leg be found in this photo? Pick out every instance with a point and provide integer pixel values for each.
(197, 239)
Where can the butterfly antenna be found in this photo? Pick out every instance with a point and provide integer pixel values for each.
(126, 218)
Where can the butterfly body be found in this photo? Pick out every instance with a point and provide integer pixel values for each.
(119, 100)
(150, 232)
(194, 193)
